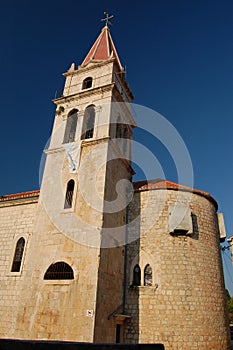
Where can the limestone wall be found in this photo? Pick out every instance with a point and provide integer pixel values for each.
(17, 219)
(185, 306)
(52, 309)
(111, 266)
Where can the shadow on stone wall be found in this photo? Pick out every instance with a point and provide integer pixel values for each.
(11, 344)
(132, 283)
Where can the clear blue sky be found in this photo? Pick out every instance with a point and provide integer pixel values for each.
(179, 61)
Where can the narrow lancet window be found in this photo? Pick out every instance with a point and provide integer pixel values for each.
(148, 275)
(119, 133)
(88, 123)
(137, 275)
(16, 265)
(126, 138)
(71, 125)
(69, 194)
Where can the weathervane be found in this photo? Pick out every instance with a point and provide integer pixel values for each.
(107, 19)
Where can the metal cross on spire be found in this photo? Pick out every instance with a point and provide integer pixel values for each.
(107, 19)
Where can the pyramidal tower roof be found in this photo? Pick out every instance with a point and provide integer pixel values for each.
(103, 49)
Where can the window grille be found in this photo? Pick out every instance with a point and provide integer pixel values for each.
(69, 194)
(88, 123)
(87, 83)
(18, 255)
(137, 275)
(59, 271)
(148, 275)
(71, 125)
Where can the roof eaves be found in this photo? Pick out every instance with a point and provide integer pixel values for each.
(159, 184)
(21, 195)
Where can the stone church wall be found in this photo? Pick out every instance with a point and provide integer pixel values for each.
(57, 309)
(184, 307)
(17, 218)
(182, 304)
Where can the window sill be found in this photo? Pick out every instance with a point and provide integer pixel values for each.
(67, 211)
(88, 140)
(59, 282)
(155, 286)
(87, 88)
(14, 274)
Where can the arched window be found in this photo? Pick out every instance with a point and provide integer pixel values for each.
(136, 275)
(59, 271)
(148, 275)
(18, 255)
(88, 123)
(71, 125)
(69, 194)
(126, 132)
(87, 83)
(125, 137)
(119, 133)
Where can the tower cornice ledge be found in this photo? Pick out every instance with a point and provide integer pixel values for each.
(83, 94)
(93, 64)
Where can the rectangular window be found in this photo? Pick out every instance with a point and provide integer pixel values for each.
(118, 333)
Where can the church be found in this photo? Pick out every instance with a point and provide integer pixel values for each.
(95, 257)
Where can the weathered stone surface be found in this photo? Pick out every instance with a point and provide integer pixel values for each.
(182, 303)
(185, 307)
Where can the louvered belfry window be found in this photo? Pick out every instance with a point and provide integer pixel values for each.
(88, 123)
(119, 129)
(18, 255)
(69, 195)
(59, 271)
(71, 125)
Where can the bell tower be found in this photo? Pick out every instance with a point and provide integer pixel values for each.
(82, 205)
(90, 143)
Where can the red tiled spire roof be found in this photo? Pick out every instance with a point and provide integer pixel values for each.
(102, 49)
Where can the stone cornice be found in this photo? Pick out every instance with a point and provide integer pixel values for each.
(83, 94)
(91, 66)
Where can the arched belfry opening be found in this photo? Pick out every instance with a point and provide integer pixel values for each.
(87, 83)
(88, 123)
(71, 125)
